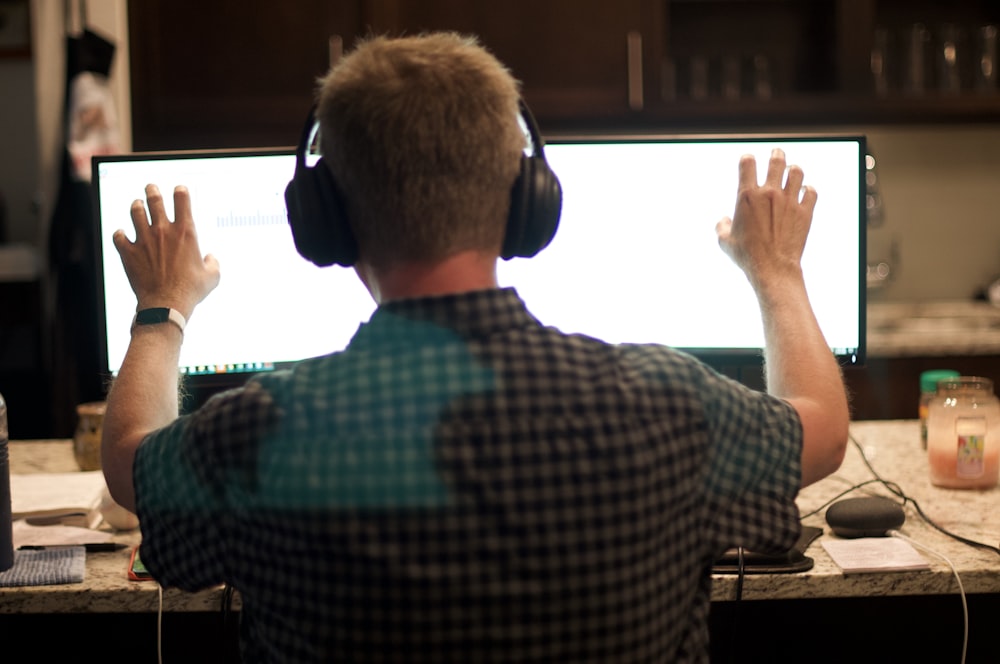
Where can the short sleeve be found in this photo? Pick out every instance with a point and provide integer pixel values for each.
(183, 476)
(756, 466)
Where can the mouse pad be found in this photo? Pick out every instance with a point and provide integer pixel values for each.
(793, 560)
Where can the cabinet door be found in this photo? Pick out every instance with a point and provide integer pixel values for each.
(229, 73)
(576, 59)
(747, 64)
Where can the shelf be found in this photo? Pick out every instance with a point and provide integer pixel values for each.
(800, 110)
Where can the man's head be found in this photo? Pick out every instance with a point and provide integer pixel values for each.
(422, 136)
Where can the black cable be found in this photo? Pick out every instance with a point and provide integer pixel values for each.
(843, 493)
(227, 600)
(231, 649)
(740, 572)
(898, 491)
(227, 603)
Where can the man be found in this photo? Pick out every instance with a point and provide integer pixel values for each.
(463, 483)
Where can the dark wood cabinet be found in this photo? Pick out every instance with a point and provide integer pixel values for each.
(574, 58)
(888, 388)
(229, 73)
(242, 74)
(692, 65)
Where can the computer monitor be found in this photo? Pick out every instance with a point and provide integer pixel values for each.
(271, 307)
(635, 258)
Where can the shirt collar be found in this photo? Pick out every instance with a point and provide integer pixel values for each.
(472, 314)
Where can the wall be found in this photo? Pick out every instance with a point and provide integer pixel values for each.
(940, 189)
(19, 161)
(31, 115)
(35, 376)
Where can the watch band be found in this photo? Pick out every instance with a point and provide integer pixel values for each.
(156, 315)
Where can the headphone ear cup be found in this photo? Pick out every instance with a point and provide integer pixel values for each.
(318, 217)
(535, 206)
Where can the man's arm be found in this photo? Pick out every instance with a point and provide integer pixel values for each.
(165, 269)
(766, 237)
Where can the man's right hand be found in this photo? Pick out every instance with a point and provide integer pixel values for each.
(767, 233)
(766, 238)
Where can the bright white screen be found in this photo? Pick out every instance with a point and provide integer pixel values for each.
(635, 257)
(271, 305)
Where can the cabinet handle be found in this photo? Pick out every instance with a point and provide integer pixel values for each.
(336, 49)
(633, 42)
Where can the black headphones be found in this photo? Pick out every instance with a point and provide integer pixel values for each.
(318, 217)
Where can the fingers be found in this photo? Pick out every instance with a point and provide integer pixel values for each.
(724, 233)
(211, 263)
(139, 219)
(142, 221)
(776, 168)
(157, 211)
(775, 172)
(724, 228)
(748, 172)
(121, 241)
(182, 206)
(793, 183)
(809, 198)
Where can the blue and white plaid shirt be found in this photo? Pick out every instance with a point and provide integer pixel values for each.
(463, 484)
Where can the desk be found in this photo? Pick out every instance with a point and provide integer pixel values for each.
(823, 616)
(810, 603)
(893, 449)
(108, 617)
(106, 587)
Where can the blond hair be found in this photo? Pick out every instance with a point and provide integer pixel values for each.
(422, 136)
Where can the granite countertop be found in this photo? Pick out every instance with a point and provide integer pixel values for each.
(933, 328)
(106, 587)
(892, 447)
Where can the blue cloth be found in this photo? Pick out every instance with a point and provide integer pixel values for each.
(46, 567)
(465, 484)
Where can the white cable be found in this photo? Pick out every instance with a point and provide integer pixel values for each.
(159, 627)
(961, 589)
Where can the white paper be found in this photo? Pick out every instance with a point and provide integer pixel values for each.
(27, 535)
(874, 554)
(54, 493)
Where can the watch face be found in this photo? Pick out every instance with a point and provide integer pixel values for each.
(152, 316)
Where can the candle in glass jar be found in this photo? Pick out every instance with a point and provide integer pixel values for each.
(963, 434)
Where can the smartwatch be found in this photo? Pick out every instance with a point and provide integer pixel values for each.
(157, 315)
